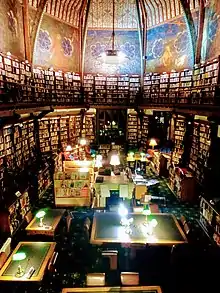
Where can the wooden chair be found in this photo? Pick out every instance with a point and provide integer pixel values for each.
(51, 265)
(113, 258)
(95, 279)
(3, 258)
(87, 223)
(129, 279)
(28, 217)
(6, 247)
(183, 220)
(68, 223)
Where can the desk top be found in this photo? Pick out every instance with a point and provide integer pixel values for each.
(117, 179)
(106, 228)
(38, 255)
(51, 220)
(139, 289)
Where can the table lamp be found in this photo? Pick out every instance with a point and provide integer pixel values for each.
(98, 161)
(152, 143)
(69, 148)
(40, 215)
(18, 257)
(82, 141)
(114, 161)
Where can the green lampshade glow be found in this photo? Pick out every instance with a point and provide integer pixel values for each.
(19, 256)
(146, 210)
(40, 214)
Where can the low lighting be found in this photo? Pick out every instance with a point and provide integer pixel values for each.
(69, 148)
(123, 212)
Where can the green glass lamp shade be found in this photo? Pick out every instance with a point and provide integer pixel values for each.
(19, 256)
(40, 214)
(146, 210)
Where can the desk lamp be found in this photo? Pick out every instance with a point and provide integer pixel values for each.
(69, 148)
(98, 161)
(152, 143)
(40, 215)
(114, 161)
(18, 257)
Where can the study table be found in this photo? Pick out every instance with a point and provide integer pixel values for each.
(107, 228)
(51, 220)
(139, 289)
(36, 255)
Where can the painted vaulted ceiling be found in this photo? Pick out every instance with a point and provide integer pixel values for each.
(100, 12)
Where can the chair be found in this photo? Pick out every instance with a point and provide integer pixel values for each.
(95, 279)
(87, 223)
(3, 258)
(28, 217)
(113, 258)
(6, 247)
(52, 262)
(68, 223)
(187, 229)
(183, 220)
(129, 279)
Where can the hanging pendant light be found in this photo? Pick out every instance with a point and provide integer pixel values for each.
(113, 56)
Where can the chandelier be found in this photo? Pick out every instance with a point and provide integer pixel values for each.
(113, 56)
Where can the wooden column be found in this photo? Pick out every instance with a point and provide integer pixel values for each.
(27, 41)
(200, 31)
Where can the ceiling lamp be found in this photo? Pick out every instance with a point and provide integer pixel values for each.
(113, 56)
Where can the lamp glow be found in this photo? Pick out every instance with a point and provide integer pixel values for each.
(82, 141)
(84, 170)
(98, 161)
(68, 148)
(123, 212)
(153, 223)
(19, 256)
(40, 215)
(115, 161)
(152, 143)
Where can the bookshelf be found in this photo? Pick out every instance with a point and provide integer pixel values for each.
(182, 183)
(134, 88)
(210, 219)
(199, 153)
(89, 128)
(174, 86)
(147, 87)
(133, 130)
(186, 83)
(44, 135)
(179, 133)
(164, 88)
(155, 87)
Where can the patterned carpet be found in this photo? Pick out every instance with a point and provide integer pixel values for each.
(78, 257)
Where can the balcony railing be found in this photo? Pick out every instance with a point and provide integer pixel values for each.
(21, 95)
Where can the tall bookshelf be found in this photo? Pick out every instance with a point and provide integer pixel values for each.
(186, 83)
(164, 87)
(179, 133)
(199, 154)
(174, 86)
(133, 130)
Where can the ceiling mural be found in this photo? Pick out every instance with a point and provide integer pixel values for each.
(100, 14)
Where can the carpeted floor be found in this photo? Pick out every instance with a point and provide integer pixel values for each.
(78, 256)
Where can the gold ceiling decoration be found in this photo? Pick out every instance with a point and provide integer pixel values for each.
(158, 11)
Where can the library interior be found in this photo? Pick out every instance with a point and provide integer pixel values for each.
(109, 146)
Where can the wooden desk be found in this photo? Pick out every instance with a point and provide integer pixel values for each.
(51, 221)
(106, 228)
(38, 255)
(139, 289)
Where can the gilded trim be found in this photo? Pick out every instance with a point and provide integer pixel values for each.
(40, 275)
(100, 241)
(157, 289)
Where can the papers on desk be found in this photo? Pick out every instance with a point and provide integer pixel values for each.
(104, 190)
(123, 190)
(146, 182)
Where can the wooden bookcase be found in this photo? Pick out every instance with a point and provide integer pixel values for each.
(182, 183)
(179, 133)
(199, 153)
(73, 186)
(164, 88)
(210, 219)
